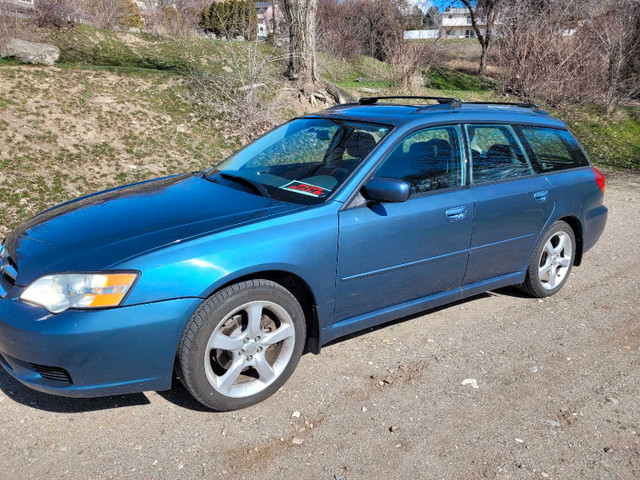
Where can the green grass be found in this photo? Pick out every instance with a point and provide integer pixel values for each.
(92, 48)
(363, 72)
(441, 79)
(8, 61)
(612, 143)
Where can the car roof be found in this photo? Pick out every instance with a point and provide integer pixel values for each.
(463, 112)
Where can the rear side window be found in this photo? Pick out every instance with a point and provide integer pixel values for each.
(429, 160)
(496, 154)
(552, 149)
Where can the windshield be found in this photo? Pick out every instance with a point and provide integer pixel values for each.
(304, 160)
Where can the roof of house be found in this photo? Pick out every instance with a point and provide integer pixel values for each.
(461, 11)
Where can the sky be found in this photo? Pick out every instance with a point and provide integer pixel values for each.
(441, 4)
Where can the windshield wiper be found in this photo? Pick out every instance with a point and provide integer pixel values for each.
(257, 187)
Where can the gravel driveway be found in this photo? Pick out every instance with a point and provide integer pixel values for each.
(497, 386)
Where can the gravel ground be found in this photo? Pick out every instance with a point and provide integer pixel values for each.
(498, 386)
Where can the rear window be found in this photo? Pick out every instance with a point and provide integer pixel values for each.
(551, 149)
(495, 154)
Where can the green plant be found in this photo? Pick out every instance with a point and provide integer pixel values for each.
(131, 16)
(230, 19)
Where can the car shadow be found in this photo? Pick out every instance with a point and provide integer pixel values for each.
(16, 391)
(178, 394)
(19, 393)
(511, 291)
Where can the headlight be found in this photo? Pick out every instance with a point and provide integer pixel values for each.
(58, 293)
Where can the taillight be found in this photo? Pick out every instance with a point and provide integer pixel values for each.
(599, 178)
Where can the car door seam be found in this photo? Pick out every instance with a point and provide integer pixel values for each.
(401, 266)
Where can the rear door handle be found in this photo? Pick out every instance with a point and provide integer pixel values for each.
(541, 196)
(456, 213)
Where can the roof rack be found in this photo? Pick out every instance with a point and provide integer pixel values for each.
(454, 102)
(532, 106)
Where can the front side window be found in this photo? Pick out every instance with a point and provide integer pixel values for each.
(304, 160)
(496, 154)
(429, 160)
(552, 149)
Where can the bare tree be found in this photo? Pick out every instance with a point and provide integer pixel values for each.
(571, 50)
(241, 95)
(104, 13)
(488, 11)
(536, 56)
(409, 61)
(301, 15)
(360, 27)
(613, 27)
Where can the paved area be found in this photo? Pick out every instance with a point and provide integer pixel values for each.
(498, 386)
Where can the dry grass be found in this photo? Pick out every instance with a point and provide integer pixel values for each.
(65, 133)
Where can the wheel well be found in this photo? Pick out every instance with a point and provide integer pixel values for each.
(301, 290)
(575, 225)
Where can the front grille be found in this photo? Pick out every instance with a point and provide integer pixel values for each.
(8, 269)
(55, 374)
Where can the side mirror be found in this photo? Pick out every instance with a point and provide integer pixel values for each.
(386, 190)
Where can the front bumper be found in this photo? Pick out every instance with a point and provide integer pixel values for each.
(105, 352)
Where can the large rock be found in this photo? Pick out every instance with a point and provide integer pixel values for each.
(29, 52)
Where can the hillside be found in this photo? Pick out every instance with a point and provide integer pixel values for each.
(121, 107)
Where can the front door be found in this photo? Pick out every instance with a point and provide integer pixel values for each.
(396, 252)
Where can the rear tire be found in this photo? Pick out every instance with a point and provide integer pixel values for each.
(551, 262)
(241, 345)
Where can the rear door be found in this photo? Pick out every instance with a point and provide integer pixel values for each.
(396, 252)
(513, 203)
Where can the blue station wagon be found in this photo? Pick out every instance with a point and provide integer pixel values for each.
(329, 224)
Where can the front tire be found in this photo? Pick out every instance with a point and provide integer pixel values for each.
(551, 262)
(241, 345)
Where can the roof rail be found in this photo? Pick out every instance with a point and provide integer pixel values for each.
(532, 106)
(454, 102)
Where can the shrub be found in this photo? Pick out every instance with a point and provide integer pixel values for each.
(230, 19)
(131, 16)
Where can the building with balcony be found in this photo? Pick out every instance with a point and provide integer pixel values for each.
(456, 23)
(17, 8)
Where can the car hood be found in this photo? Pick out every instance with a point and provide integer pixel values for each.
(97, 231)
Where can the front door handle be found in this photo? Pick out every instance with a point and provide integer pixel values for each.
(456, 213)
(541, 196)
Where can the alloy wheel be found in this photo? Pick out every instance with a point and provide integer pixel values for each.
(249, 349)
(555, 260)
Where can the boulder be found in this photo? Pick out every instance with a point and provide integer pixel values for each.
(29, 52)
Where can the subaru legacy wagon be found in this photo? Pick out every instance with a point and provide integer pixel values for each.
(329, 224)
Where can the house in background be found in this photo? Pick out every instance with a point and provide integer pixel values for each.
(456, 23)
(270, 16)
(17, 8)
(421, 34)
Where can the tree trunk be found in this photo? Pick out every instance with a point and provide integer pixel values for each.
(483, 60)
(273, 18)
(301, 15)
